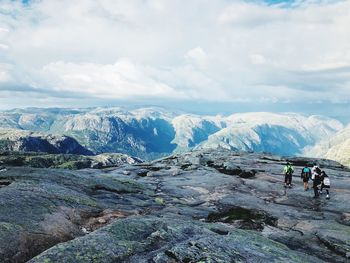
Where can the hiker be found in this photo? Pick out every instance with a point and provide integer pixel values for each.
(306, 175)
(315, 170)
(326, 183)
(288, 173)
(316, 177)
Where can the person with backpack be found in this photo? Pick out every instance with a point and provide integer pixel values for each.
(305, 176)
(326, 184)
(316, 177)
(288, 173)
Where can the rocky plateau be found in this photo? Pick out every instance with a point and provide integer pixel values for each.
(200, 206)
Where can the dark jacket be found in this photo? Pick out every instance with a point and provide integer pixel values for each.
(317, 180)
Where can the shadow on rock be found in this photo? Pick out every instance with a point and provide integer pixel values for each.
(243, 218)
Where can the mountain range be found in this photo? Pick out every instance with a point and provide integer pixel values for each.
(337, 147)
(152, 132)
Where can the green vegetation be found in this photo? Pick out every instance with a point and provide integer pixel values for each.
(41, 160)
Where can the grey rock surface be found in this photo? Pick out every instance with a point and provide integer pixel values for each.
(193, 207)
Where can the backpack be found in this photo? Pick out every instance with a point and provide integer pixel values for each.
(306, 173)
(326, 181)
(306, 170)
(289, 169)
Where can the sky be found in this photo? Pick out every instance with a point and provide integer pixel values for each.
(199, 55)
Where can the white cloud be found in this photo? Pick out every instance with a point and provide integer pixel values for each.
(120, 80)
(197, 56)
(325, 66)
(202, 49)
(257, 59)
(3, 46)
(247, 14)
(4, 76)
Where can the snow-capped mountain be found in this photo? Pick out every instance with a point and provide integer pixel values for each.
(145, 132)
(191, 130)
(337, 147)
(154, 132)
(285, 134)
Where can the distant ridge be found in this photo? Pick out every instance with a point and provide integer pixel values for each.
(153, 132)
(27, 141)
(337, 147)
